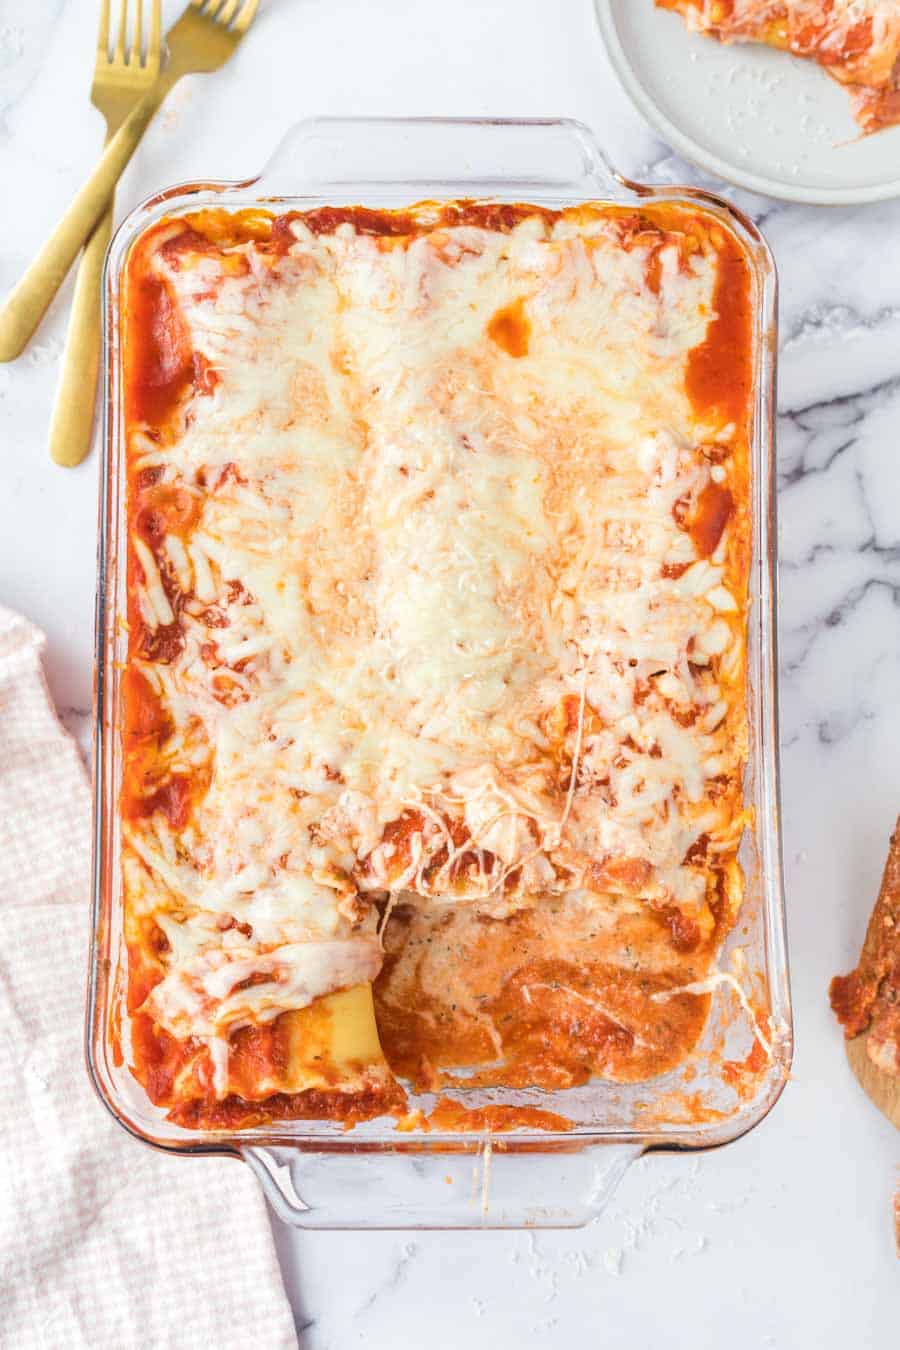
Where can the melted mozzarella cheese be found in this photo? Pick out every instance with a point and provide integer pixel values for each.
(207, 994)
(415, 553)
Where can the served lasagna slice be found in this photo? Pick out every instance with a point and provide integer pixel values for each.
(856, 41)
(438, 547)
(868, 999)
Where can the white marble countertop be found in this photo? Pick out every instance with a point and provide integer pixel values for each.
(785, 1238)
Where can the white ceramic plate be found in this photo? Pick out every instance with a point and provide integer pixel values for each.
(756, 117)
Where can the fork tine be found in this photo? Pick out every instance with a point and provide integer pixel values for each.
(120, 40)
(228, 12)
(246, 16)
(103, 31)
(137, 36)
(154, 44)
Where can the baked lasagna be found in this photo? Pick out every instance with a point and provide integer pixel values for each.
(433, 714)
(856, 41)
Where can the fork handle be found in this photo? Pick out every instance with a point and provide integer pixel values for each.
(27, 303)
(73, 412)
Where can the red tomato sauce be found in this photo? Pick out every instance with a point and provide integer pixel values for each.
(719, 370)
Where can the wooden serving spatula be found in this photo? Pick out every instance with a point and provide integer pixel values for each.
(882, 1088)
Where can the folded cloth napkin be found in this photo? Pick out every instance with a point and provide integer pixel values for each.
(104, 1242)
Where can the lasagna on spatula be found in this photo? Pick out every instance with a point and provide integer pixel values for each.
(438, 548)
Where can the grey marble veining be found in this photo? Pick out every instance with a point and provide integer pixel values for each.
(784, 1238)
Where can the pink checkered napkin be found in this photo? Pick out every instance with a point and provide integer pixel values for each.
(103, 1242)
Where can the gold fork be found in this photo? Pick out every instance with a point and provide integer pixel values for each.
(202, 40)
(120, 82)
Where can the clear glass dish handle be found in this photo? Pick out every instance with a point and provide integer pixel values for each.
(360, 157)
(487, 1189)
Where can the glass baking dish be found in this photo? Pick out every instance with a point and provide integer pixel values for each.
(317, 1174)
